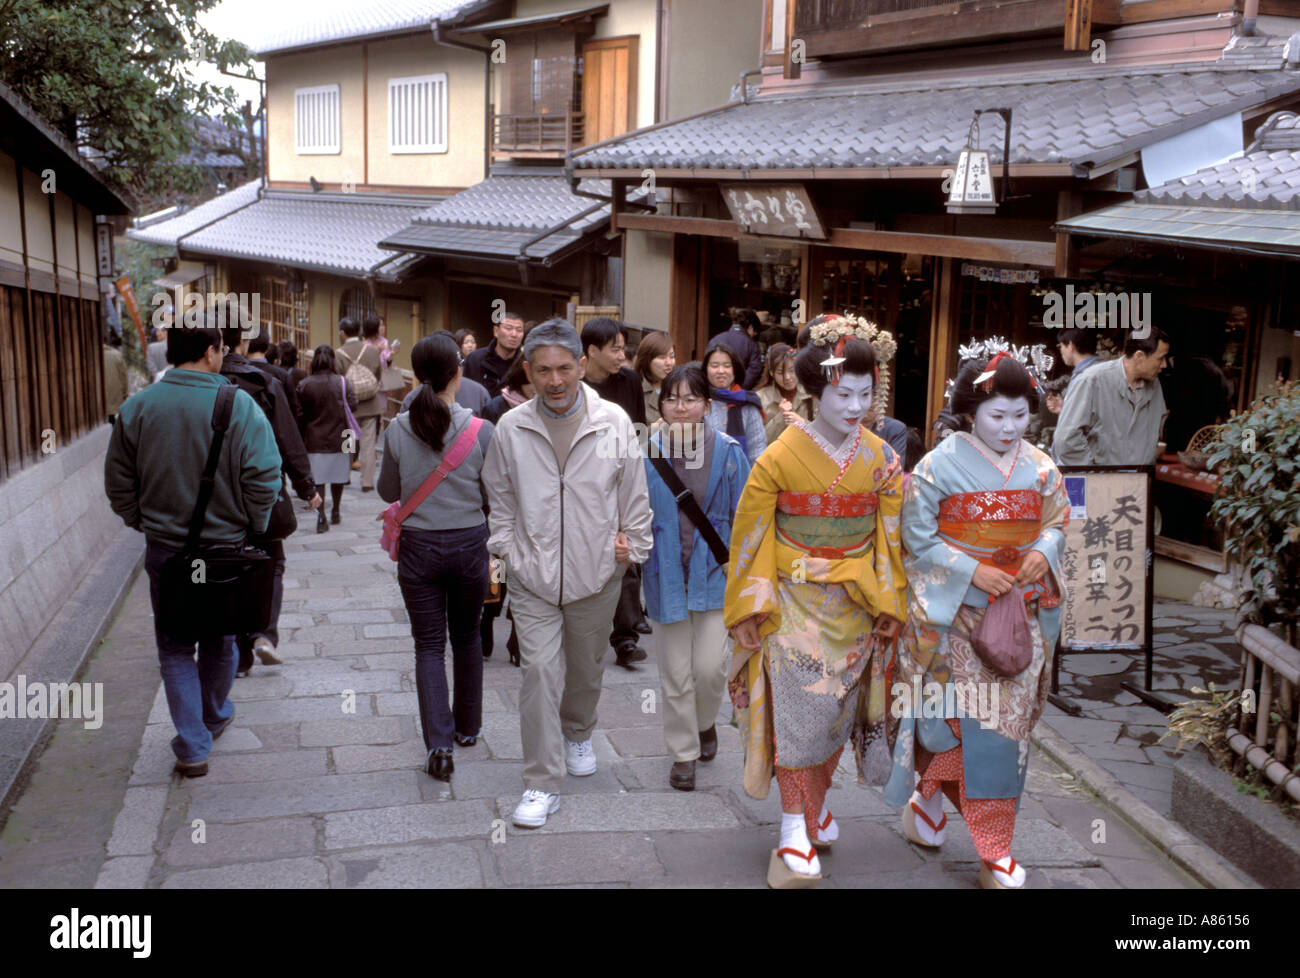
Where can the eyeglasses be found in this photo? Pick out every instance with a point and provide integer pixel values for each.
(689, 401)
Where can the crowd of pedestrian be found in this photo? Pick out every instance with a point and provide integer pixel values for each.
(507, 500)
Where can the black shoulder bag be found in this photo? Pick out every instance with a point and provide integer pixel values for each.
(691, 509)
(220, 588)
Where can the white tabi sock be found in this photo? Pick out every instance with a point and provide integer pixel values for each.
(832, 831)
(794, 835)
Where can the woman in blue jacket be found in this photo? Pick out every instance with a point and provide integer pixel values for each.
(684, 583)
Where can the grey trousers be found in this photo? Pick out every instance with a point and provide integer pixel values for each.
(693, 664)
(560, 652)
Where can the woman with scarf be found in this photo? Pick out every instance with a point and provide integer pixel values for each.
(514, 391)
(733, 410)
(780, 394)
(983, 521)
(815, 596)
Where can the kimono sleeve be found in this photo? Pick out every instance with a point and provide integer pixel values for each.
(1056, 514)
(939, 575)
(891, 578)
(751, 583)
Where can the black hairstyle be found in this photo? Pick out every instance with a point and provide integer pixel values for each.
(692, 375)
(113, 339)
(654, 344)
(1147, 344)
(273, 354)
(1083, 340)
(349, 327)
(915, 449)
(510, 315)
(435, 361)
(370, 326)
(859, 358)
(322, 359)
(260, 343)
(185, 344)
(720, 343)
(516, 377)
(1011, 379)
(600, 332)
(803, 337)
(746, 318)
(288, 355)
(459, 337)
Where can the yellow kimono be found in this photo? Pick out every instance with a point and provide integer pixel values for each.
(815, 552)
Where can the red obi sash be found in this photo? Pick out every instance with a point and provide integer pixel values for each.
(827, 503)
(997, 527)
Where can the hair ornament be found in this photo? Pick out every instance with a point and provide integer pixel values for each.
(836, 331)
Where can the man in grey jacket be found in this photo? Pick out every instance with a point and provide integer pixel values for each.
(568, 514)
(1113, 413)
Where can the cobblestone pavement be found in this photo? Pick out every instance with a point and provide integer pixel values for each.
(1193, 648)
(302, 794)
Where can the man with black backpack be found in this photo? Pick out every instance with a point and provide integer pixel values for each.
(160, 473)
(272, 398)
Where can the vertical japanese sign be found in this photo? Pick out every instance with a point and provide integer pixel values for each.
(1107, 562)
(128, 296)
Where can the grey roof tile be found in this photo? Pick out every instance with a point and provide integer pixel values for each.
(498, 215)
(1252, 180)
(1073, 118)
(338, 233)
(166, 232)
(328, 21)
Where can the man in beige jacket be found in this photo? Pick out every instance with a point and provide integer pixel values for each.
(566, 483)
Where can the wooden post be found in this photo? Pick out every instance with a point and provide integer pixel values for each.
(943, 338)
(810, 283)
(682, 306)
(1078, 25)
(1068, 204)
(792, 67)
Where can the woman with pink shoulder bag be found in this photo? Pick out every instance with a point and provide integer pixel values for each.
(433, 459)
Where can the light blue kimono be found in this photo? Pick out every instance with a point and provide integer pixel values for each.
(944, 605)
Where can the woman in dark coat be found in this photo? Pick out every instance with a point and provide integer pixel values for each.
(325, 427)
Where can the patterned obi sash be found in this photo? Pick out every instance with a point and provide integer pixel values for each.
(832, 525)
(997, 527)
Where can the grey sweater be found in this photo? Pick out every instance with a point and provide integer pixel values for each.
(459, 500)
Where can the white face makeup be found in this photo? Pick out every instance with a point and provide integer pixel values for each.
(844, 406)
(1000, 422)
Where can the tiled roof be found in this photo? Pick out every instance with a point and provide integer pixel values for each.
(1258, 230)
(496, 217)
(335, 233)
(328, 21)
(1253, 180)
(167, 232)
(1083, 118)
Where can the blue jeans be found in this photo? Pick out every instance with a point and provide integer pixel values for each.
(198, 694)
(444, 578)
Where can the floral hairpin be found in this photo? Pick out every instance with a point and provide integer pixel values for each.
(1034, 358)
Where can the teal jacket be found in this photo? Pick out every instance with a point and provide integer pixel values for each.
(155, 462)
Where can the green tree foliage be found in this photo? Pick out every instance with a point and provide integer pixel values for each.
(112, 76)
(1258, 459)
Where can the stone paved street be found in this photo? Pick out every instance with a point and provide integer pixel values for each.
(1193, 648)
(302, 794)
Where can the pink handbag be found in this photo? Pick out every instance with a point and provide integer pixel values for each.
(1002, 638)
(395, 515)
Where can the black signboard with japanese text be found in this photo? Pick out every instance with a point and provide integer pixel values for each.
(780, 209)
(1109, 555)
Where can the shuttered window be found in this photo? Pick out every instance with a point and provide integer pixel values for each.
(417, 114)
(316, 119)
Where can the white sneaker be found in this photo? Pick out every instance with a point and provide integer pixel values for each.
(532, 810)
(580, 759)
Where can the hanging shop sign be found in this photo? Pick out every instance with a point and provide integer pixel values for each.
(1007, 276)
(779, 209)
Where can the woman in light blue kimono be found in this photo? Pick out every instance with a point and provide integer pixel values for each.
(983, 516)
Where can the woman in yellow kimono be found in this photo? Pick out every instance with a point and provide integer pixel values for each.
(982, 520)
(815, 594)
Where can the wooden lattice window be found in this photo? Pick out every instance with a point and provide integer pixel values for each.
(286, 315)
(356, 303)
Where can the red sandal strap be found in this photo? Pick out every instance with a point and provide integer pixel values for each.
(1008, 872)
(806, 857)
(826, 824)
(943, 819)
